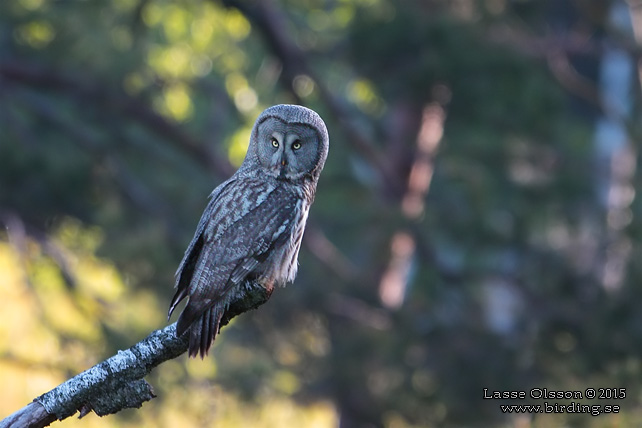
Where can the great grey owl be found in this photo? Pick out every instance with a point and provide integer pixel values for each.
(253, 225)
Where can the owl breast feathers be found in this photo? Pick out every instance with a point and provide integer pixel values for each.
(253, 225)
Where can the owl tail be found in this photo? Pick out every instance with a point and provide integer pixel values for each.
(202, 330)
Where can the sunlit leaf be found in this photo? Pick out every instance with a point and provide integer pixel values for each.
(37, 34)
(236, 24)
(238, 145)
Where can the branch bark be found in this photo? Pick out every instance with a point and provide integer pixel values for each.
(117, 383)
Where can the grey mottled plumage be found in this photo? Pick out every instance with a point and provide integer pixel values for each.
(253, 225)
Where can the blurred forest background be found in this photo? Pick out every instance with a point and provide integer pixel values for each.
(475, 226)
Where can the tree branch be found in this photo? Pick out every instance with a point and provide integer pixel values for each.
(90, 92)
(117, 383)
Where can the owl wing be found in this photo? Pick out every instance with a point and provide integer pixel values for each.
(243, 222)
(186, 268)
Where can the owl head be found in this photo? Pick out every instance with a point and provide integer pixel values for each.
(288, 142)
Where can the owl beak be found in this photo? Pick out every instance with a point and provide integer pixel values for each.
(284, 163)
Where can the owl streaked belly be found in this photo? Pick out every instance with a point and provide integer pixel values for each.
(282, 266)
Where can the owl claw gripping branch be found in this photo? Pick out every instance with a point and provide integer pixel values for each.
(253, 225)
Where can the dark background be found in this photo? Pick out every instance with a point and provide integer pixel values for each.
(475, 226)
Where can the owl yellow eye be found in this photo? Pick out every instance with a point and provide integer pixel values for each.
(296, 145)
(275, 143)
